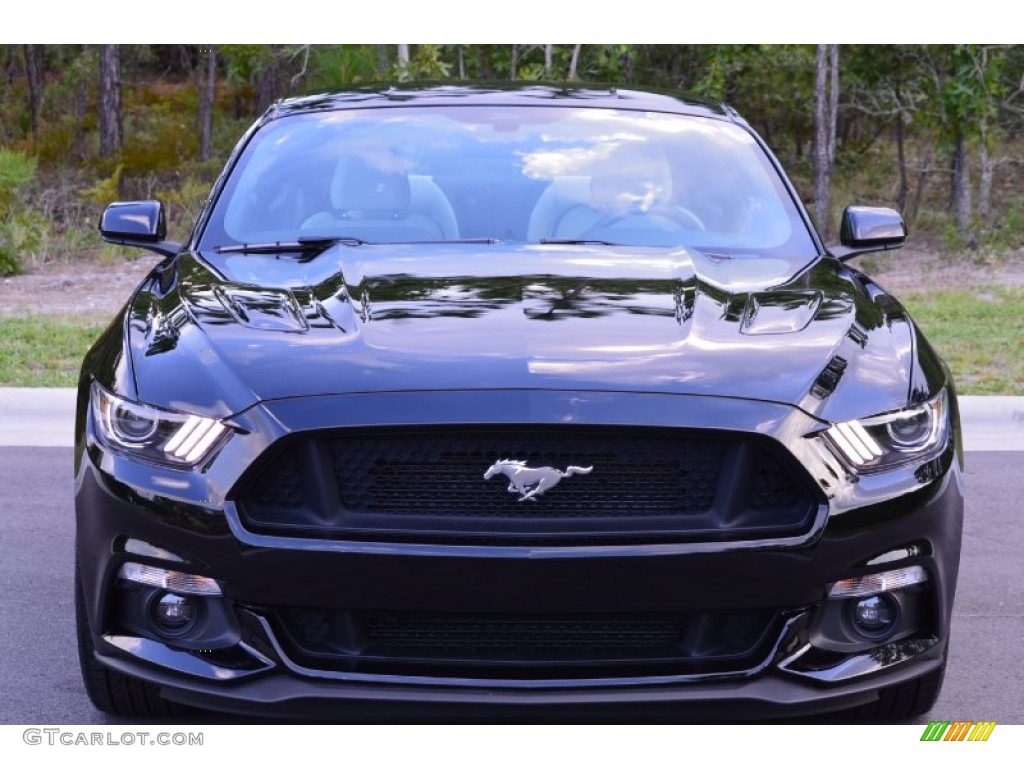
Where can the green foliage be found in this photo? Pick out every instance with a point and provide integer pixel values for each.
(162, 127)
(21, 232)
(531, 71)
(723, 68)
(67, 102)
(1008, 231)
(73, 241)
(21, 236)
(43, 351)
(185, 202)
(609, 63)
(966, 89)
(425, 63)
(334, 66)
(109, 254)
(243, 62)
(950, 237)
(24, 233)
(105, 191)
(17, 170)
(10, 263)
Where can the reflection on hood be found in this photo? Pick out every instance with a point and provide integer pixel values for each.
(409, 318)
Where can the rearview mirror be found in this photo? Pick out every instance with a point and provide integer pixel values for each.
(866, 229)
(140, 223)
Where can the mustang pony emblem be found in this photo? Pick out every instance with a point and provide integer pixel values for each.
(530, 482)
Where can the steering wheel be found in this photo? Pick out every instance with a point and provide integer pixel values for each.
(665, 217)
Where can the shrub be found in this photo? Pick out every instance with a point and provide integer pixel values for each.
(16, 171)
(20, 231)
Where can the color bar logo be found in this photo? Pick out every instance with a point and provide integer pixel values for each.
(958, 730)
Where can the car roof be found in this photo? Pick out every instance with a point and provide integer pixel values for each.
(504, 94)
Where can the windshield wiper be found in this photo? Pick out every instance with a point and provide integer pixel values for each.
(574, 241)
(453, 241)
(311, 246)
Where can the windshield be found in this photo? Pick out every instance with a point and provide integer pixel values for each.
(520, 174)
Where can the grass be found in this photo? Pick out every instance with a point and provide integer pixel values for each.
(980, 333)
(43, 351)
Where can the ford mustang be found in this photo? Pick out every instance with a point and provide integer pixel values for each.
(470, 399)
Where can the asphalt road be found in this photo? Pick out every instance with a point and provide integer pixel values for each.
(39, 677)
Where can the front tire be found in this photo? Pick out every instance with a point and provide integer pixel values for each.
(110, 691)
(905, 700)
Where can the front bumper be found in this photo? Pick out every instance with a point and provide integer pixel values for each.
(798, 666)
(284, 695)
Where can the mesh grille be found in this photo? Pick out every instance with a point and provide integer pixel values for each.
(436, 474)
(642, 484)
(690, 641)
(282, 486)
(436, 632)
(773, 485)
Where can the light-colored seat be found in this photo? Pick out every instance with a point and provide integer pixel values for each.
(378, 205)
(426, 197)
(564, 210)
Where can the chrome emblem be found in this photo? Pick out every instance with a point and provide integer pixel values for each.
(530, 482)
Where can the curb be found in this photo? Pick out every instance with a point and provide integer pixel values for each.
(992, 423)
(37, 416)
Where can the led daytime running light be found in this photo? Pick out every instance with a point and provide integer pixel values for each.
(193, 438)
(854, 441)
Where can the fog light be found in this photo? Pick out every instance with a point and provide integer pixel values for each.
(875, 617)
(174, 613)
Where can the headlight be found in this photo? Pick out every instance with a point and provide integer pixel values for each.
(152, 433)
(882, 442)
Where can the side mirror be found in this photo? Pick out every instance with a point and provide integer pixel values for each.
(139, 223)
(865, 229)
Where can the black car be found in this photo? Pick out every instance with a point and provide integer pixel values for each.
(473, 401)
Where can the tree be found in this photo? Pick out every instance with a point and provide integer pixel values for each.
(989, 62)
(403, 59)
(967, 90)
(206, 85)
(574, 62)
(334, 66)
(34, 75)
(110, 100)
(268, 80)
(826, 108)
(883, 93)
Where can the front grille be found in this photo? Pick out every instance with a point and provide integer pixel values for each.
(429, 476)
(527, 645)
(623, 484)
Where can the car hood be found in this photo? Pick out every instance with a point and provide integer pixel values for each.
(459, 317)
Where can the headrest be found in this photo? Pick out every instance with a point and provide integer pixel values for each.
(358, 187)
